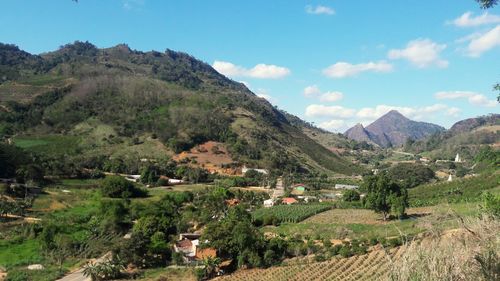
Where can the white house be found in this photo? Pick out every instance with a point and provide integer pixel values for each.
(245, 169)
(346, 186)
(458, 159)
(268, 203)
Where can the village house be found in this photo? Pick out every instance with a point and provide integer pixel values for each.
(189, 245)
(346, 186)
(268, 203)
(245, 169)
(289, 200)
(298, 189)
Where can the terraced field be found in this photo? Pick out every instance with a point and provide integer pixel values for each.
(372, 266)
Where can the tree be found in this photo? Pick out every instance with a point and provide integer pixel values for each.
(497, 88)
(385, 196)
(119, 187)
(210, 265)
(486, 4)
(411, 175)
(235, 237)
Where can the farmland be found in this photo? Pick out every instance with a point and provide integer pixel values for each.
(290, 213)
(371, 266)
(461, 190)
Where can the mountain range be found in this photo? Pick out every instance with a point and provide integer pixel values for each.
(391, 130)
(113, 107)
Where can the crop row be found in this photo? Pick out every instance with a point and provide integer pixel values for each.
(289, 213)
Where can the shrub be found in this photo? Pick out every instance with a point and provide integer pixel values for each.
(118, 187)
(345, 251)
(491, 205)
(351, 195)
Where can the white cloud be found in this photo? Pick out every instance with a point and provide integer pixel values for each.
(261, 71)
(263, 93)
(480, 43)
(333, 125)
(311, 91)
(345, 69)
(318, 110)
(338, 118)
(466, 20)
(319, 10)
(331, 96)
(472, 97)
(417, 113)
(421, 52)
(453, 111)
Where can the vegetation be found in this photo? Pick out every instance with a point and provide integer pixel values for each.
(385, 196)
(119, 187)
(411, 175)
(350, 195)
(459, 190)
(287, 213)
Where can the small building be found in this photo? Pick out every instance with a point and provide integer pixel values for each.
(262, 171)
(268, 203)
(298, 189)
(425, 159)
(346, 186)
(202, 254)
(189, 245)
(450, 178)
(133, 178)
(289, 200)
(458, 159)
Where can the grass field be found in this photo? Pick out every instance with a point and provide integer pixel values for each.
(290, 213)
(52, 144)
(365, 224)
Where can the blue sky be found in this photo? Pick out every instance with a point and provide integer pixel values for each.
(331, 62)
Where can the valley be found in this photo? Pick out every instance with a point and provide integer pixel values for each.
(316, 145)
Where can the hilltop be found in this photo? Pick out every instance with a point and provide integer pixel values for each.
(118, 104)
(392, 129)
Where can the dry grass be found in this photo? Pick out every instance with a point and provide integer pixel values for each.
(453, 254)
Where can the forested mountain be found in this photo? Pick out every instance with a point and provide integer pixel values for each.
(118, 104)
(393, 129)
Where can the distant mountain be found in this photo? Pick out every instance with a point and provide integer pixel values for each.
(464, 137)
(116, 106)
(358, 133)
(392, 129)
(469, 124)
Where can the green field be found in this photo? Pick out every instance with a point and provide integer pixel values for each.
(366, 224)
(53, 144)
(459, 190)
(290, 213)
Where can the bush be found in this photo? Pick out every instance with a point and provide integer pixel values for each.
(345, 251)
(351, 195)
(491, 205)
(118, 187)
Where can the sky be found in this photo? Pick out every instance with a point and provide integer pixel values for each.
(334, 63)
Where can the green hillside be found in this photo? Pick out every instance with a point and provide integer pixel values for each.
(93, 105)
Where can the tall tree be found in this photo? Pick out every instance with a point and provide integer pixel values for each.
(385, 196)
